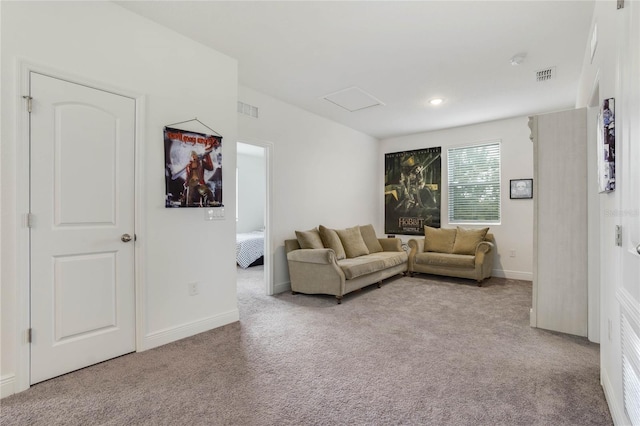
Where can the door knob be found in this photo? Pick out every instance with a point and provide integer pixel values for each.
(638, 248)
(125, 238)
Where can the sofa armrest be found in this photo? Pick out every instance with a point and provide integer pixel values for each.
(316, 271)
(483, 249)
(390, 244)
(320, 256)
(484, 259)
(416, 246)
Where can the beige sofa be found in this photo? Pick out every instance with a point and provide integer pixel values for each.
(454, 252)
(337, 262)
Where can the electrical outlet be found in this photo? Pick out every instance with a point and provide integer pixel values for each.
(512, 253)
(193, 289)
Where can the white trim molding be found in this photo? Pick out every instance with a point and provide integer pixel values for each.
(270, 288)
(512, 275)
(617, 411)
(7, 385)
(172, 334)
(282, 287)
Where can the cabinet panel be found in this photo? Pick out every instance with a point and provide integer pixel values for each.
(560, 222)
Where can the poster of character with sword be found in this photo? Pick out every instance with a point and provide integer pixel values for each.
(193, 169)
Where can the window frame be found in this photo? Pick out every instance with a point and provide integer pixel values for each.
(450, 210)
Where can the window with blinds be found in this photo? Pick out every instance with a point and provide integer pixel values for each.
(474, 183)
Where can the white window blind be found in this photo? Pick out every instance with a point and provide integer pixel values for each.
(474, 183)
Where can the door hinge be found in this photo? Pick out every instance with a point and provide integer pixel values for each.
(29, 335)
(29, 220)
(29, 102)
(619, 235)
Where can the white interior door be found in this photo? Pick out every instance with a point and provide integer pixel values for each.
(630, 154)
(629, 162)
(82, 202)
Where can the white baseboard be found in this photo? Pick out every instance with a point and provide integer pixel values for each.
(168, 335)
(615, 407)
(7, 385)
(513, 275)
(282, 287)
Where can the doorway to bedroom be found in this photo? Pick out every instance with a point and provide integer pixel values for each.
(252, 177)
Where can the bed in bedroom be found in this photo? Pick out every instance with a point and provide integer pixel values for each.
(250, 249)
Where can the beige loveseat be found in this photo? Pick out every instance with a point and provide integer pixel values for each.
(453, 252)
(336, 262)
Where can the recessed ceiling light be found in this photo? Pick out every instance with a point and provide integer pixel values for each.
(436, 101)
(517, 59)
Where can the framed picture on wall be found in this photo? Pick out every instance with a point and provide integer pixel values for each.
(193, 168)
(412, 191)
(607, 147)
(520, 188)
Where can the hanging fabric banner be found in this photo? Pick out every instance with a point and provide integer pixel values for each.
(193, 169)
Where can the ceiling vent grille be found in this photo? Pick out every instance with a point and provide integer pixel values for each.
(545, 74)
(246, 109)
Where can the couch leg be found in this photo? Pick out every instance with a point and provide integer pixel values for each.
(379, 284)
(294, 292)
(479, 283)
(339, 298)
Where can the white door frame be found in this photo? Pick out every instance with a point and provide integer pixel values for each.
(22, 178)
(268, 244)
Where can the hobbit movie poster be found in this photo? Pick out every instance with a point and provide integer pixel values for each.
(193, 169)
(412, 191)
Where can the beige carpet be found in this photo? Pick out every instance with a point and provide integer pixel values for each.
(418, 351)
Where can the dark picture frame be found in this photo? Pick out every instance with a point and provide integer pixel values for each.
(520, 189)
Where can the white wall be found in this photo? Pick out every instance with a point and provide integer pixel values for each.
(604, 71)
(251, 192)
(515, 232)
(179, 79)
(323, 173)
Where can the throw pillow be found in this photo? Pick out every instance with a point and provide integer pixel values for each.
(352, 242)
(439, 239)
(468, 239)
(370, 239)
(331, 240)
(309, 239)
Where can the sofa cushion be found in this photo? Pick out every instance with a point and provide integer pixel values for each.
(359, 266)
(468, 239)
(309, 239)
(331, 240)
(370, 238)
(363, 265)
(390, 258)
(445, 259)
(352, 242)
(440, 240)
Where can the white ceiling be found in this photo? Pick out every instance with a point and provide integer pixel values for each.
(401, 53)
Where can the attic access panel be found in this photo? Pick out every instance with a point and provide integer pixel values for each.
(353, 99)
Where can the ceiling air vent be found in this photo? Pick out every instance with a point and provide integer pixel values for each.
(546, 74)
(247, 109)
